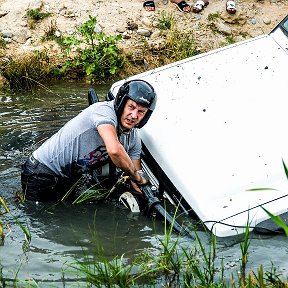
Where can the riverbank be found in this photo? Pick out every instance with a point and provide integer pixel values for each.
(212, 28)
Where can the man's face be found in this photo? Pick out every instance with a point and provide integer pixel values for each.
(132, 114)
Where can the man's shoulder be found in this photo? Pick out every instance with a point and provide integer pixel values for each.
(109, 105)
(101, 107)
(103, 113)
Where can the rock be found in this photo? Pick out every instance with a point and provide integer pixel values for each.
(37, 4)
(28, 42)
(120, 30)
(155, 34)
(132, 25)
(147, 22)
(23, 24)
(7, 40)
(21, 35)
(69, 32)
(221, 27)
(3, 13)
(237, 18)
(157, 44)
(68, 14)
(267, 21)
(144, 32)
(126, 35)
(97, 28)
(197, 17)
(57, 33)
(145, 63)
(7, 34)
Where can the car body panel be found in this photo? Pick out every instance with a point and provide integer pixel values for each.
(219, 131)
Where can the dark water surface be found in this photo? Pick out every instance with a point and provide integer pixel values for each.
(64, 232)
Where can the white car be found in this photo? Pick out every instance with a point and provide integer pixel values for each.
(218, 138)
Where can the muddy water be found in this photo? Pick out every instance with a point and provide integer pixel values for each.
(64, 232)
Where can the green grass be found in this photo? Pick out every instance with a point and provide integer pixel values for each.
(213, 16)
(2, 42)
(27, 71)
(174, 266)
(34, 16)
(166, 21)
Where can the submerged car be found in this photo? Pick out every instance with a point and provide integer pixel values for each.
(217, 143)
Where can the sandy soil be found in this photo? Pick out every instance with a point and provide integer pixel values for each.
(253, 18)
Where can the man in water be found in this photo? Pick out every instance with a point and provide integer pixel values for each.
(102, 133)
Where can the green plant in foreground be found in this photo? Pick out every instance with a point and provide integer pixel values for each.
(171, 259)
(6, 210)
(276, 219)
(100, 58)
(108, 273)
(25, 230)
(100, 271)
(94, 193)
(244, 245)
(200, 272)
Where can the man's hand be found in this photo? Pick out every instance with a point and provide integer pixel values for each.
(143, 179)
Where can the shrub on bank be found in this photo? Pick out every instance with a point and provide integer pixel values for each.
(97, 55)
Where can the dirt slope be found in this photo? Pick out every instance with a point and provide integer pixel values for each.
(253, 18)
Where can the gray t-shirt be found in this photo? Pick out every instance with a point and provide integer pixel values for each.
(77, 147)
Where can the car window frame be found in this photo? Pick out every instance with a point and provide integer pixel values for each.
(282, 26)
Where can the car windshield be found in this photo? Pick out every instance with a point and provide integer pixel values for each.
(285, 25)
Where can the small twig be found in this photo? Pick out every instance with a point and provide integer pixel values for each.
(43, 86)
(121, 180)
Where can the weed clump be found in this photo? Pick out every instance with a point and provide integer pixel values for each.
(34, 16)
(166, 21)
(50, 33)
(24, 72)
(2, 42)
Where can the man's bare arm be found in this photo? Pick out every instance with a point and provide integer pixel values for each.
(117, 152)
